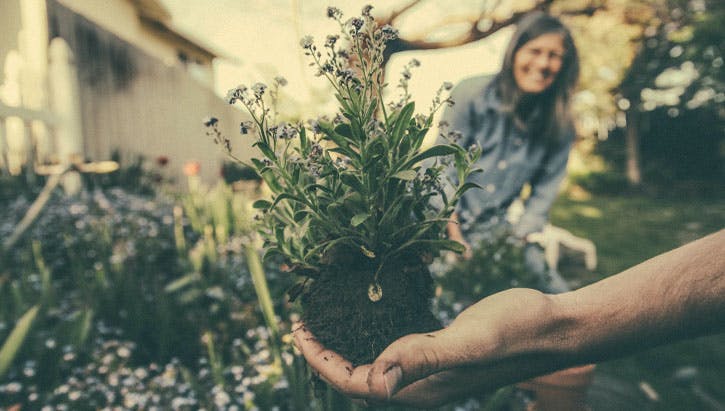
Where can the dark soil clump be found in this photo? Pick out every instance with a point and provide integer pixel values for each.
(341, 315)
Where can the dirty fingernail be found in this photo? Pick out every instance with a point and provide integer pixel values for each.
(392, 378)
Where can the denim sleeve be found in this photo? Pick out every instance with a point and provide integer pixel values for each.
(544, 189)
(459, 119)
(459, 116)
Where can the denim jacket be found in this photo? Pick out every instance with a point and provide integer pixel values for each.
(510, 159)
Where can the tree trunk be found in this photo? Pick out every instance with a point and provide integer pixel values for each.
(634, 174)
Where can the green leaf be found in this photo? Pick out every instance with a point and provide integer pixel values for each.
(262, 205)
(344, 130)
(405, 175)
(371, 109)
(343, 102)
(461, 166)
(322, 248)
(296, 290)
(271, 180)
(190, 296)
(405, 147)
(355, 157)
(84, 327)
(377, 146)
(15, 340)
(311, 187)
(258, 164)
(269, 252)
(286, 196)
(465, 188)
(300, 215)
(337, 138)
(358, 219)
(445, 245)
(418, 138)
(304, 146)
(391, 212)
(352, 181)
(401, 123)
(435, 151)
(279, 236)
(407, 231)
(295, 175)
(266, 150)
(435, 245)
(182, 282)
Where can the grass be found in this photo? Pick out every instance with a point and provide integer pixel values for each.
(627, 230)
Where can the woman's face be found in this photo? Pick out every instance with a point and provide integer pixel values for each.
(537, 63)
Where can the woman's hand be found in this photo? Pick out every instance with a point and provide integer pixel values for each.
(453, 229)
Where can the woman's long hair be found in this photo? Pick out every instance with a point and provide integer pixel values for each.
(552, 107)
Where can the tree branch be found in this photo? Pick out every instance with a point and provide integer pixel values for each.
(473, 34)
(396, 13)
(401, 44)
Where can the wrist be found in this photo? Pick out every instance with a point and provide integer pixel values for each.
(569, 327)
(526, 335)
(552, 326)
(525, 322)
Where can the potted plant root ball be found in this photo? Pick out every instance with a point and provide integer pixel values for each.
(351, 210)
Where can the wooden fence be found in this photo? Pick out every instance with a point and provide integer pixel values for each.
(35, 136)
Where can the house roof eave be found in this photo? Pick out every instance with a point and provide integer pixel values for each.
(154, 15)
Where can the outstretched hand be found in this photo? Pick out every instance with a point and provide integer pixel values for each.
(520, 333)
(427, 370)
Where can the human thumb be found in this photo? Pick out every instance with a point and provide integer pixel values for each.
(385, 379)
(392, 379)
(406, 360)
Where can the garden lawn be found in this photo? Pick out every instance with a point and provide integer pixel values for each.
(628, 230)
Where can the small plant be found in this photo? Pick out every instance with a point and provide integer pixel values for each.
(351, 210)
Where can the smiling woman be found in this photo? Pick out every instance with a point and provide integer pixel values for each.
(521, 120)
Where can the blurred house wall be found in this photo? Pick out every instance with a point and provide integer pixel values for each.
(137, 94)
(147, 25)
(133, 102)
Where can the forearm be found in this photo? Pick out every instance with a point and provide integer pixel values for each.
(453, 228)
(676, 295)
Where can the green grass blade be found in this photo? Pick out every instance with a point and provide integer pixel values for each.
(83, 327)
(15, 339)
(44, 271)
(259, 280)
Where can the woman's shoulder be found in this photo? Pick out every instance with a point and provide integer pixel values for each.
(471, 89)
(478, 82)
